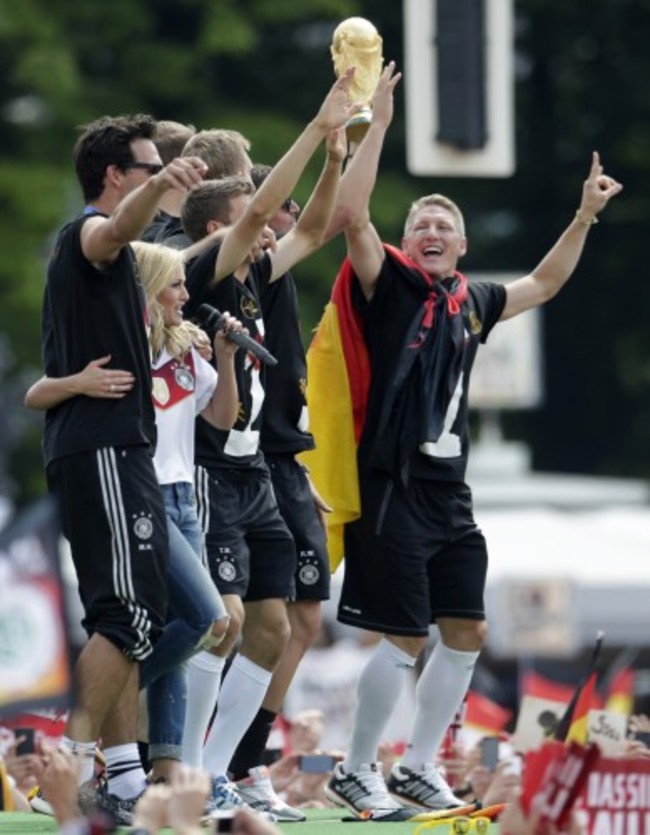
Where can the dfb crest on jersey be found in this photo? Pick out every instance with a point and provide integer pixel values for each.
(143, 526)
(184, 378)
(475, 323)
(308, 574)
(248, 308)
(227, 571)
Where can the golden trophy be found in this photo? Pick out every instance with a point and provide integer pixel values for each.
(357, 43)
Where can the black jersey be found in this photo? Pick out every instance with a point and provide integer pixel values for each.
(285, 421)
(163, 226)
(173, 235)
(387, 320)
(240, 446)
(89, 313)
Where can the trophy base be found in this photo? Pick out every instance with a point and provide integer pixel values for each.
(357, 127)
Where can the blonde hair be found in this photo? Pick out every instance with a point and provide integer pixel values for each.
(435, 200)
(224, 151)
(170, 138)
(158, 266)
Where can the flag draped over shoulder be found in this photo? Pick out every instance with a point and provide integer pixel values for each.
(338, 373)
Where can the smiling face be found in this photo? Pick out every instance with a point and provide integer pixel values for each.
(434, 241)
(172, 299)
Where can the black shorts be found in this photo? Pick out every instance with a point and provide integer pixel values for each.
(298, 510)
(114, 517)
(415, 555)
(249, 549)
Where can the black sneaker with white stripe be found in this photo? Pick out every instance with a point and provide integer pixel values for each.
(365, 791)
(426, 789)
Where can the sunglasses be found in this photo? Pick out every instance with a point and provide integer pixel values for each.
(458, 826)
(150, 167)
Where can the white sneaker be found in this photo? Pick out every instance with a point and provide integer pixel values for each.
(86, 799)
(38, 803)
(427, 789)
(224, 799)
(364, 791)
(257, 790)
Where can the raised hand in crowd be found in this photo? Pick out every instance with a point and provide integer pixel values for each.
(59, 779)
(151, 810)
(189, 791)
(23, 768)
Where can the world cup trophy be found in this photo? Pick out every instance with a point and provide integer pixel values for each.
(357, 43)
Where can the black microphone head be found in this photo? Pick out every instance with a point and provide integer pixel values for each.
(205, 311)
(208, 316)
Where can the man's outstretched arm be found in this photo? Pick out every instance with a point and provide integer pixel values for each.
(351, 214)
(557, 266)
(307, 236)
(335, 110)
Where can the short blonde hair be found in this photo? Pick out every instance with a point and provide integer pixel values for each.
(435, 200)
(170, 138)
(158, 266)
(224, 151)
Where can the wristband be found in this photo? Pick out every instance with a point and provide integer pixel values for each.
(580, 219)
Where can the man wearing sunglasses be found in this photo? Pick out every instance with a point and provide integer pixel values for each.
(98, 450)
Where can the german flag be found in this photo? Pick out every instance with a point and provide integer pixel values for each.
(620, 694)
(587, 700)
(338, 374)
(534, 684)
(573, 725)
(485, 715)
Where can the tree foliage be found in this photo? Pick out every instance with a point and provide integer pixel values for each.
(262, 66)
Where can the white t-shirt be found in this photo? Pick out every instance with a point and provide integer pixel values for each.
(181, 390)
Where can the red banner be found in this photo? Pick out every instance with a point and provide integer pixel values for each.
(616, 797)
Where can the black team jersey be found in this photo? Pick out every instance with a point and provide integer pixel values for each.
(87, 314)
(240, 446)
(387, 319)
(285, 420)
(161, 227)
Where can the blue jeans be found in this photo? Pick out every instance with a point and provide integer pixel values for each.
(194, 604)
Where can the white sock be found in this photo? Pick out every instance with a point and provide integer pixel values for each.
(85, 753)
(204, 672)
(241, 696)
(440, 690)
(124, 773)
(378, 692)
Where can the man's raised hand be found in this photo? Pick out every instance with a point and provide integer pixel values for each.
(382, 101)
(597, 190)
(337, 108)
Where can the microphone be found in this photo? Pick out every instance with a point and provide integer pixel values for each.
(213, 319)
